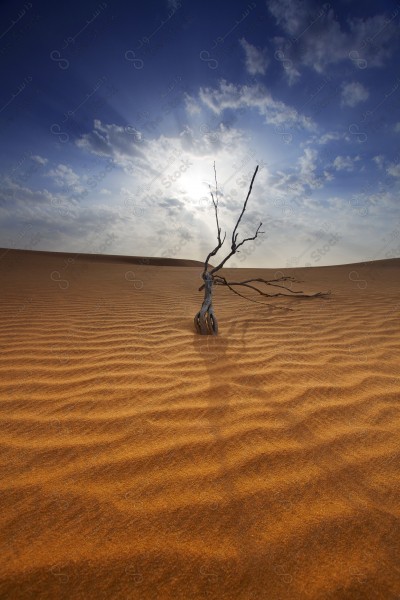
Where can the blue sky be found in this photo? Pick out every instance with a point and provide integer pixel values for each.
(112, 115)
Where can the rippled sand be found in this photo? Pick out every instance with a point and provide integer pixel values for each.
(140, 460)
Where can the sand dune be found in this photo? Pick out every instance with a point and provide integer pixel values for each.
(141, 460)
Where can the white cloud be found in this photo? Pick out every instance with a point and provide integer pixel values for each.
(329, 137)
(192, 107)
(63, 175)
(11, 191)
(290, 71)
(149, 219)
(394, 169)
(256, 59)
(289, 14)
(105, 192)
(324, 139)
(160, 155)
(308, 164)
(39, 159)
(122, 146)
(294, 187)
(345, 163)
(234, 97)
(164, 183)
(353, 93)
(397, 128)
(40, 219)
(111, 140)
(179, 210)
(292, 74)
(307, 161)
(316, 38)
(337, 202)
(379, 160)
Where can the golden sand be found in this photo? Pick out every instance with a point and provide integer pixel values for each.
(140, 460)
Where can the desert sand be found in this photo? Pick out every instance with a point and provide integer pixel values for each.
(140, 460)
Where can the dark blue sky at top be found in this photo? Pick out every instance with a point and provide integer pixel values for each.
(308, 89)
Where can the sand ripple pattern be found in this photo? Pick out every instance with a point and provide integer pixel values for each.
(142, 461)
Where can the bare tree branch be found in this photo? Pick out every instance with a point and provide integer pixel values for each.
(218, 280)
(205, 320)
(224, 282)
(234, 245)
(220, 243)
(267, 281)
(296, 294)
(234, 234)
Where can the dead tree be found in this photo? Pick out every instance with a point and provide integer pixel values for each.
(205, 320)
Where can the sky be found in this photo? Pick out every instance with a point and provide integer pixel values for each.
(113, 114)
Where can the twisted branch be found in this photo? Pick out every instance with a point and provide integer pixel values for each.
(234, 245)
(205, 320)
(220, 243)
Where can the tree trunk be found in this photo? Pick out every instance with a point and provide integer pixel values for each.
(205, 321)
